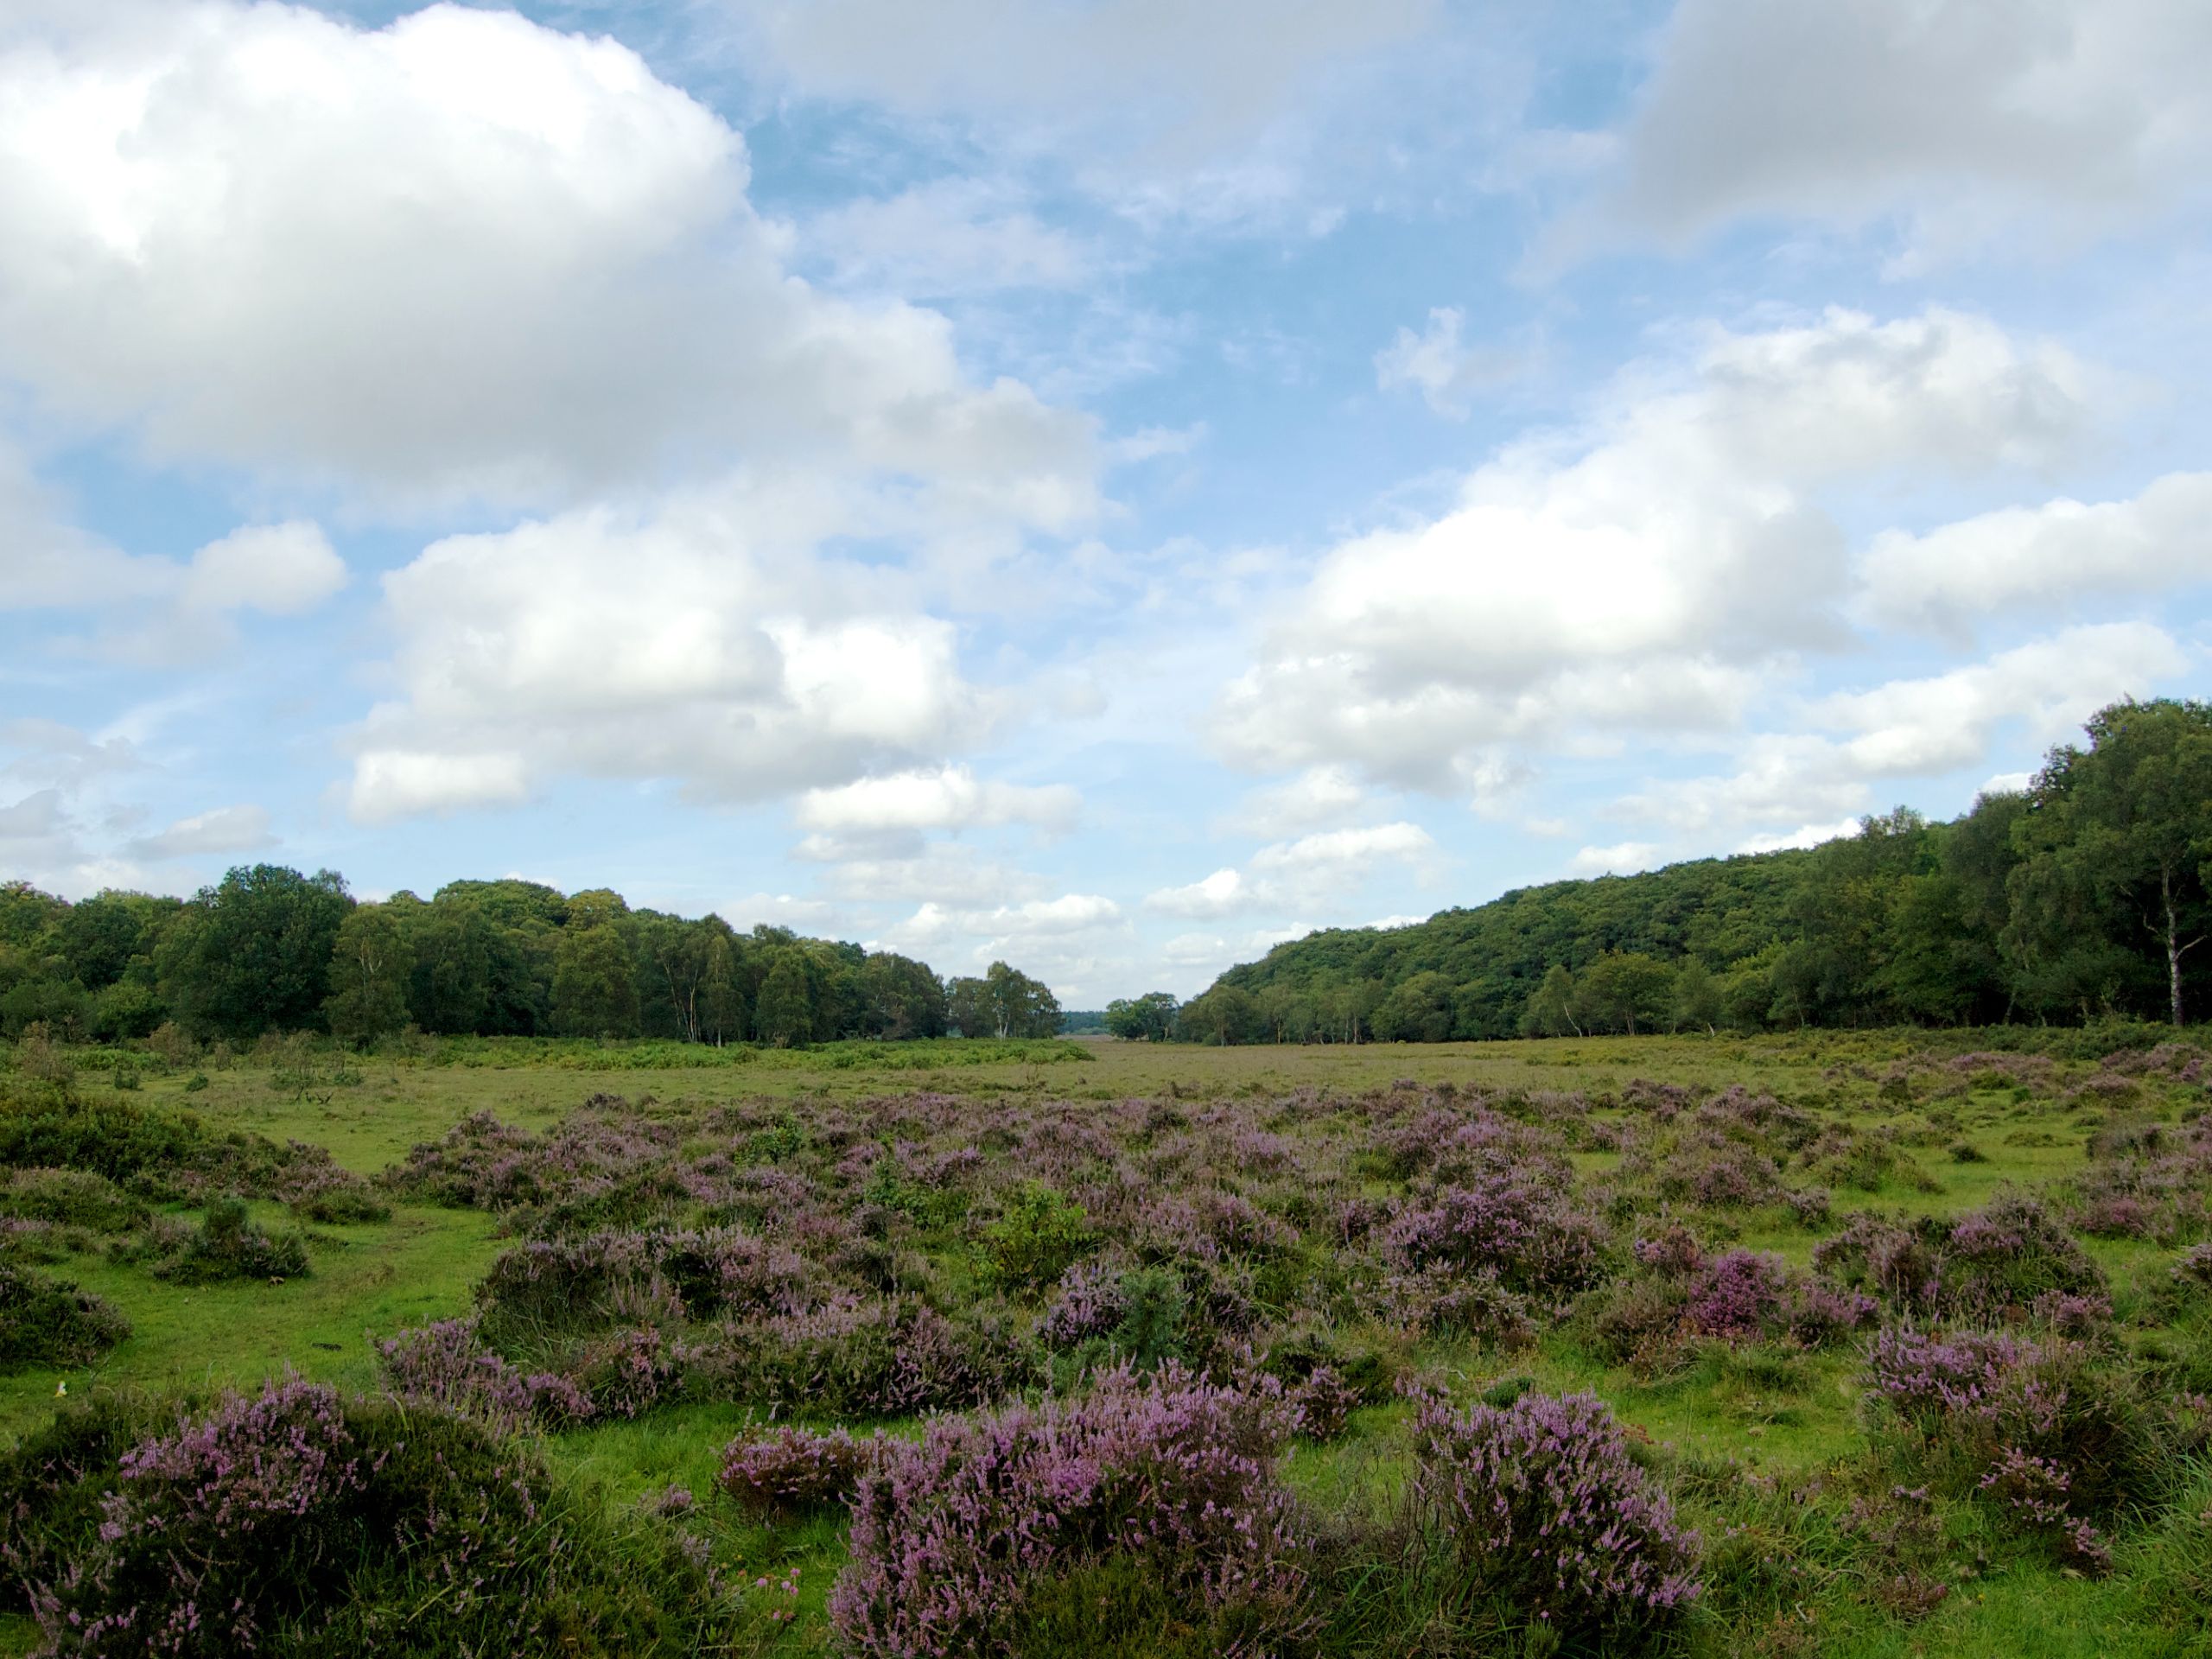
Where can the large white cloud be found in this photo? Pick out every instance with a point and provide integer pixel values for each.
(1907, 730)
(910, 803)
(1959, 114)
(677, 644)
(463, 255)
(2021, 558)
(1637, 574)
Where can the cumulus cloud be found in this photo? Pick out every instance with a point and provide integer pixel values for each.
(1960, 116)
(1319, 869)
(460, 255)
(1806, 834)
(683, 644)
(1910, 728)
(1446, 372)
(1062, 940)
(1623, 858)
(2040, 557)
(226, 829)
(1642, 572)
(900, 808)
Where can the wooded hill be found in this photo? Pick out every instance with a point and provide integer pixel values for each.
(2083, 896)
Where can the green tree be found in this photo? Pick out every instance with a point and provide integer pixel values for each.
(1550, 1012)
(595, 983)
(2116, 839)
(1627, 991)
(1223, 1015)
(1417, 1010)
(252, 953)
(1148, 1018)
(369, 963)
(784, 1013)
(1697, 997)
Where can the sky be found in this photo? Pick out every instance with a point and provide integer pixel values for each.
(1109, 484)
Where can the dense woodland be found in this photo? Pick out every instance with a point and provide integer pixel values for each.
(2085, 896)
(269, 949)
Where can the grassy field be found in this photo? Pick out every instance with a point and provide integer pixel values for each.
(1727, 1421)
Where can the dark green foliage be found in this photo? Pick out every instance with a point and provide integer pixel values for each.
(252, 953)
(1036, 1241)
(2075, 901)
(227, 1245)
(50, 1322)
(71, 1198)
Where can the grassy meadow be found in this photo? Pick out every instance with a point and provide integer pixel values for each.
(958, 1178)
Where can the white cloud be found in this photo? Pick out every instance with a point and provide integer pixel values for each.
(1924, 727)
(901, 806)
(2039, 558)
(462, 255)
(1321, 869)
(1961, 116)
(1315, 796)
(1806, 834)
(393, 784)
(691, 645)
(281, 569)
(226, 829)
(1623, 858)
(1642, 572)
(1156, 85)
(1062, 941)
(1219, 894)
(1446, 372)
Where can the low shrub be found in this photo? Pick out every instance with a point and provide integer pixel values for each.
(1536, 1511)
(447, 1364)
(1529, 1237)
(293, 1522)
(50, 1322)
(228, 1245)
(71, 1198)
(787, 1471)
(960, 1539)
(1038, 1238)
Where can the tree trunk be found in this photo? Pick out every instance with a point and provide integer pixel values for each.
(2174, 946)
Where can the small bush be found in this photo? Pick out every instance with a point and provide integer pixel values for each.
(50, 1322)
(960, 1538)
(1037, 1240)
(788, 1470)
(227, 1245)
(445, 1363)
(71, 1198)
(293, 1522)
(1537, 1510)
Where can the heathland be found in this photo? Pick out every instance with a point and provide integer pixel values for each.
(1857, 1343)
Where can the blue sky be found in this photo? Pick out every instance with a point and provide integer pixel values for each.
(1109, 484)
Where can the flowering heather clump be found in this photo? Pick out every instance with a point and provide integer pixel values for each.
(1087, 1304)
(1969, 1395)
(1880, 1256)
(1671, 1252)
(70, 1198)
(1746, 1294)
(294, 1520)
(2036, 1493)
(1539, 1505)
(1442, 1300)
(445, 1362)
(957, 1535)
(1722, 1177)
(319, 1190)
(1322, 1405)
(1533, 1240)
(784, 1471)
(227, 1245)
(2009, 1254)
(2147, 1180)
(2194, 1269)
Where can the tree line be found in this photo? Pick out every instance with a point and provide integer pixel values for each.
(2085, 895)
(269, 949)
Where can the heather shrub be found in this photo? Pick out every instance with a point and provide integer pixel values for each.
(1535, 1512)
(1442, 1300)
(1964, 1400)
(960, 1539)
(1530, 1239)
(1883, 1258)
(71, 1198)
(2009, 1254)
(228, 1245)
(445, 1363)
(854, 1357)
(296, 1524)
(50, 1322)
(319, 1190)
(1321, 1406)
(787, 1471)
(1036, 1239)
